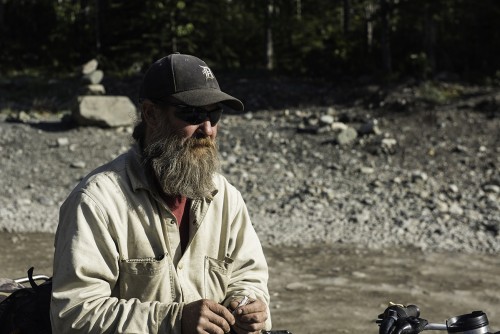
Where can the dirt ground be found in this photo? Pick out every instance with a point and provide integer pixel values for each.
(336, 289)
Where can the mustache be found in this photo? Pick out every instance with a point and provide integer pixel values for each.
(200, 142)
(157, 148)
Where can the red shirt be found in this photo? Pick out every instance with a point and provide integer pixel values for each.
(178, 207)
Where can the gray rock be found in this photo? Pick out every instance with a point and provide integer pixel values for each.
(366, 170)
(78, 164)
(338, 126)
(362, 217)
(23, 201)
(388, 145)
(21, 116)
(442, 206)
(90, 67)
(62, 141)
(417, 176)
(491, 188)
(359, 274)
(326, 119)
(95, 89)
(106, 111)
(456, 209)
(460, 149)
(94, 78)
(45, 201)
(370, 127)
(346, 136)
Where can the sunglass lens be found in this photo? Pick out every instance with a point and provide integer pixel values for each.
(196, 115)
(215, 116)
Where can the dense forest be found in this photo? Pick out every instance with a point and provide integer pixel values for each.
(384, 38)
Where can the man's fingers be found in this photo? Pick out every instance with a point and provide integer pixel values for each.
(213, 328)
(219, 316)
(251, 318)
(255, 306)
(206, 316)
(258, 317)
(222, 312)
(220, 323)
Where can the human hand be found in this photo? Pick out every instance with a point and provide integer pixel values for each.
(206, 316)
(250, 318)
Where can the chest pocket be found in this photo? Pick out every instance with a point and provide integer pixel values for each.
(217, 274)
(147, 279)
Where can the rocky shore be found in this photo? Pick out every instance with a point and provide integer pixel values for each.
(382, 169)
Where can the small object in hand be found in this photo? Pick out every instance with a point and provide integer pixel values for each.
(243, 302)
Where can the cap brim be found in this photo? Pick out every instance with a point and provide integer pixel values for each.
(204, 97)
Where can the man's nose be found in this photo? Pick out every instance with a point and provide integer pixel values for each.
(206, 127)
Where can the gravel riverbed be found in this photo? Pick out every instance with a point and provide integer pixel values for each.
(345, 173)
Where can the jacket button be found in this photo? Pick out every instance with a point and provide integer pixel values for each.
(180, 266)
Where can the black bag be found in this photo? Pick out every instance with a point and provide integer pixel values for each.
(27, 310)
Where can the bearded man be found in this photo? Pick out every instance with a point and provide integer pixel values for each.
(157, 241)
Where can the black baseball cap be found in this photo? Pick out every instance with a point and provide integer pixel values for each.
(185, 79)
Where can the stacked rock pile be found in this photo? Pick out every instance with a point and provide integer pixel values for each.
(93, 78)
(93, 107)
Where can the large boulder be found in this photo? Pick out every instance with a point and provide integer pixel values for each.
(105, 111)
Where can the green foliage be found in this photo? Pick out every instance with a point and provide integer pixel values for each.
(309, 37)
(438, 94)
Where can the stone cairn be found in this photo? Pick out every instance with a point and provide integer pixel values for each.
(93, 77)
(94, 108)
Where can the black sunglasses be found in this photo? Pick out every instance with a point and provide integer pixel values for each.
(197, 115)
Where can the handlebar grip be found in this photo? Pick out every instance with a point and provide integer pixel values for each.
(412, 311)
(397, 315)
(402, 311)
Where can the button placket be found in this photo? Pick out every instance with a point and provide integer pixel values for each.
(171, 231)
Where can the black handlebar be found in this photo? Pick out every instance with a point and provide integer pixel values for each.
(406, 311)
(400, 319)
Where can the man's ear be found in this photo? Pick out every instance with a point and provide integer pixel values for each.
(150, 114)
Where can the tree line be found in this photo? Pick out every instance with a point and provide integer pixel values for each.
(329, 38)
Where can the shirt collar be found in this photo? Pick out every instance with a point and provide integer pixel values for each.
(135, 169)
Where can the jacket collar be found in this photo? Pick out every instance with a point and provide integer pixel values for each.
(136, 171)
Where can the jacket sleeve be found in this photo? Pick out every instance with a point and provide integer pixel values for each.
(250, 272)
(86, 270)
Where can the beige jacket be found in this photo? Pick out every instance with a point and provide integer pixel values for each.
(118, 266)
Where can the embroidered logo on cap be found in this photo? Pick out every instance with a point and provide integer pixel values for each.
(208, 73)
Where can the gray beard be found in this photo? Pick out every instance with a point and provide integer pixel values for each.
(183, 167)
